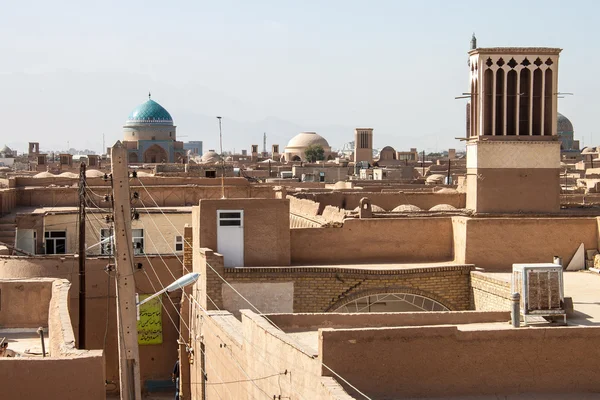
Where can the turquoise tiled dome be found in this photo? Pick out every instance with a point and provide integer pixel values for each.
(150, 112)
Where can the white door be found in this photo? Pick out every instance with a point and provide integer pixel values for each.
(230, 237)
(26, 240)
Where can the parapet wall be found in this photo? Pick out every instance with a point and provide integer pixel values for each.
(66, 373)
(260, 361)
(304, 322)
(496, 243)
(380, 240)
(466, 363)
(8, 200)
(388, 201)
(24, 303)
(490, 293)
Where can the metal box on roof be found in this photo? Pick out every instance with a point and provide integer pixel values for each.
(541, 288)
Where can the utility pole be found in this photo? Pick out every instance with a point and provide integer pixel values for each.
(82, 256)
(264, 142)
(129, 359)
(423, 164)
(222, 161)
(448, 178)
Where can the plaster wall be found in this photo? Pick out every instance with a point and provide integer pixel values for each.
(234, 351)
(165, 196)
(159, 233)
(393, 240)
(8, 200)
(271, 297)
(24, 303)
(266, 228)
(496, 243)
(470, 362)
(156, 361)
(68, 378)
(513, 190)
(66, 373)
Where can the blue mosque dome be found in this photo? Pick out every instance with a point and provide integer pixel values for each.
(149, 112)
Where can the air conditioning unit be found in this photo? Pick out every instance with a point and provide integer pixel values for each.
(541, 287)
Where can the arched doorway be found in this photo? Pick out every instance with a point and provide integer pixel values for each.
(388, 301)
(296, 158)
(133, 158)
(155, 154)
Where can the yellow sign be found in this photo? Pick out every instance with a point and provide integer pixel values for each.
(149, 326)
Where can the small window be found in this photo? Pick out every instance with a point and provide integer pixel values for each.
(230, 218)
(138, 241)
(210, 174)
(232, 222)
(178, 244)
(225, 215)
(106, 241)
(55, 242)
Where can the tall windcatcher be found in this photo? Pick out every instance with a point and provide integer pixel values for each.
(513, 152)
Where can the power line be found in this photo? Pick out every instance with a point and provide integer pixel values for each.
(252, 305)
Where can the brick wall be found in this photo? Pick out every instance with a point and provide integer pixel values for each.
(490, 293)
(319, 289)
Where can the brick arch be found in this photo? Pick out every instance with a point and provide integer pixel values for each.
(390, 290)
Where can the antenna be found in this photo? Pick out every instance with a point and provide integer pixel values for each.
(264, 142)
(222, 160)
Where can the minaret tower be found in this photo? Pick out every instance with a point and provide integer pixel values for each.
(513, 152)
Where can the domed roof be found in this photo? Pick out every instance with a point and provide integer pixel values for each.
(210, 156)
(406, 208)
(442, 207)
(6, 149)
(305, 139)
(388, 148)
(149, 112)
(93, 173)
(564, 125)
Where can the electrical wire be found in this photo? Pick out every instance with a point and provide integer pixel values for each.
(169, 270)
(252, 305)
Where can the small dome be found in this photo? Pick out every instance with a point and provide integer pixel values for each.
(149, 112)
(406, 208)
(210, 157)
(6, 150)
(94, 173)
(589, 150)
(69, 175)
(442, 207)
(435, 178)
(563, 124)
(305, 139)
(44, 174)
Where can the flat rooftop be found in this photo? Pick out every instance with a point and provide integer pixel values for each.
(582, 287)
(25, 342)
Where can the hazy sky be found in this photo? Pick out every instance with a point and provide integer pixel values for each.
(71, 71)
